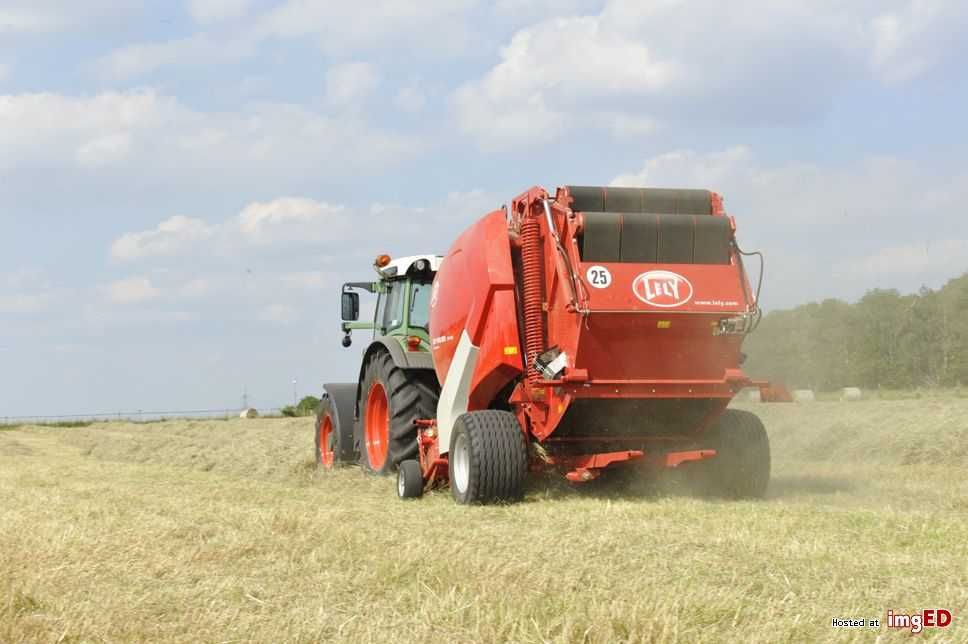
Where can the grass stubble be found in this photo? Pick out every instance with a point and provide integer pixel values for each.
(214, 531)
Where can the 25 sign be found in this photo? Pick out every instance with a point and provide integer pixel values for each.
(598, 277)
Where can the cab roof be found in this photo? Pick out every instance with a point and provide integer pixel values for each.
(401, 265)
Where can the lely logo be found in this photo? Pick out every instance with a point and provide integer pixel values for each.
(664, 289)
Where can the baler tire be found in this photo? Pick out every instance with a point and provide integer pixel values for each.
(410, 483)
(496, 458)
(410, 394)
(741, 467)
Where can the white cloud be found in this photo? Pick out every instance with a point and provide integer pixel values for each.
(628, 125)
(194, 288)
(131, 290)
(120, 131)
(26, 291)
(25, 19)
(46, 16)
(286, 221)
(217, 10)
(638, 63)
(530, 10)
(91, 130)
(106, 150)
(908, 38)
(171, 236)
(24, 303)
(309, 280)
(143, 58)
(549, 70)
(830, 231)
(279, 314)
(348, 83)
(341, 27)
(299, 227)
(25, 279)
(944, 256)
(409, 99)
(290, 218)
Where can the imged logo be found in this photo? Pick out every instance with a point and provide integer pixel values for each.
(664, 289)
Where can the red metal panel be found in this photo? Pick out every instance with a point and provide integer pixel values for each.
(474, 291)
(671, 346)
(712, 288)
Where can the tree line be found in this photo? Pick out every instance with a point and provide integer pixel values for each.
(884, 340)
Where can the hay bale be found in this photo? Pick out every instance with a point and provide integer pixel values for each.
(752, 394)
(804, 395)
(850, 393)
(251, 412)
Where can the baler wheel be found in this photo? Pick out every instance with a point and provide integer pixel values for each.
(488, 458)
(331, 437)
(410, 483)
(741, 467)
(392, 398)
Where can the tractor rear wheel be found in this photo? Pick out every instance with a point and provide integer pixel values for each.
(488, 459)
(391, 399)
(741, 467)
(332, 437)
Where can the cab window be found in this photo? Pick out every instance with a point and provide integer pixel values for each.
(392, 313)
(420, 304)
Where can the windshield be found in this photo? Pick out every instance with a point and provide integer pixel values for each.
(420, 304)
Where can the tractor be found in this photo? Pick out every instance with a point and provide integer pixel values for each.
(589, 331)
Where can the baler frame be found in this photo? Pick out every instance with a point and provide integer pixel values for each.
(538, 400)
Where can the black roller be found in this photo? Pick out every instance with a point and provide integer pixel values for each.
(645, 200)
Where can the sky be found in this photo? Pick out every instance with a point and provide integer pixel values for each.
(185, 185)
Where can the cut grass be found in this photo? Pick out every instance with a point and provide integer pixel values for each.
(59, 423)
(224, 531)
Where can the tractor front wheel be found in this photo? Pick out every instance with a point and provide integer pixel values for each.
(488, 459)
(410, 483)
(741, 467)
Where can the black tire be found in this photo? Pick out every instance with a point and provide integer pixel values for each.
(741, 467)
(411, 394)
(410, 483)
(340, 440)
(488, 459)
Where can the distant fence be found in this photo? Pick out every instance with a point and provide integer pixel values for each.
(139, 416)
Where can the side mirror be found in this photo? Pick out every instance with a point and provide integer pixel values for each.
(350, 306)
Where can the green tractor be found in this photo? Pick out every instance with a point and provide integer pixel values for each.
(371, 421)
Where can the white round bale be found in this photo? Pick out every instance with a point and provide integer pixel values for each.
(251, 412)
(850, 393)
(804, 395)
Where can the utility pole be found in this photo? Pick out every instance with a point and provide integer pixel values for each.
(245, 397)
(295, 401)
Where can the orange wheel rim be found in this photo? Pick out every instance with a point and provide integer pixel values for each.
(326, 453)
(376, 434)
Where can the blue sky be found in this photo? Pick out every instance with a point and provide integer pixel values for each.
(184, 185)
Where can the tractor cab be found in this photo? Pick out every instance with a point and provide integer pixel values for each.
(403, 301)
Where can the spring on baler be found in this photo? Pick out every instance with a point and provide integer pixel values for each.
(532, 264)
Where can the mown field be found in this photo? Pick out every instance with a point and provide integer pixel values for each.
(222, 531)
